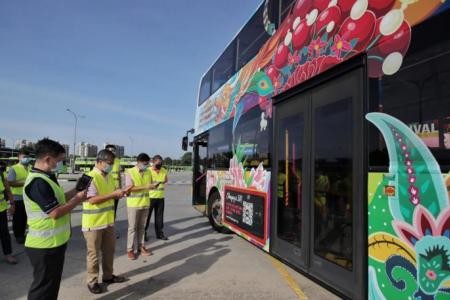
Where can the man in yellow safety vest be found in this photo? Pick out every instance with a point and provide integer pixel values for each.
(48, 220)
(16, 180)
(159, 176)
(5, 197)
(138, 203)
(98, 222)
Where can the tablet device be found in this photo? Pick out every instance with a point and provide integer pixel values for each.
(83, 182)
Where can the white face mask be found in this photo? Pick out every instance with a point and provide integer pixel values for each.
(58, 167)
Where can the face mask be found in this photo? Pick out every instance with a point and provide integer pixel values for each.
(108, 168)
(58, 167)
(158, 166)
(143, 167)
(25, 160)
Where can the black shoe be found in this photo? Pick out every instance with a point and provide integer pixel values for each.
(114, 279)
(95, 288)
(163, 237)
(20, 240)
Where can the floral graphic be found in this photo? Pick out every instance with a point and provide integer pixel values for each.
(340, 45)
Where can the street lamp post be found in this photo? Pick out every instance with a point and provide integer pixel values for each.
(75, 116)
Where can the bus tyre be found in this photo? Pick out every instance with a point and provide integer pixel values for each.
(215, 213)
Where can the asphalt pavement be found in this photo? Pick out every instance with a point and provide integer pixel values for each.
(195, 263)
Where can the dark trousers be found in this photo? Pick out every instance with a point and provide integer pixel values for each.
(47, 271)
(116, 203)
(4, 233)
(19, 220)
(158, 206)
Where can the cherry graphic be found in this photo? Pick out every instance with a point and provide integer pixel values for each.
(321, 4)
(397, 41)
(381, 7)
(286, 25)
(361, 29)
(329, 20)
(346, 7)
(281, 55)
(301, 35)
(301, 8)
(272, 73)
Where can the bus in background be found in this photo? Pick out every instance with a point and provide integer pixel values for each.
(322, 136)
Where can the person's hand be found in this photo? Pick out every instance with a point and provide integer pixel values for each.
(152, 186)
(81, 196)
(12, 208)
(128, 189)
(118, 193)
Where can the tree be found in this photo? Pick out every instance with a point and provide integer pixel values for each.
(186, 159)
(168, 161)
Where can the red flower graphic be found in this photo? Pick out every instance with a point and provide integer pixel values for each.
(340, 45)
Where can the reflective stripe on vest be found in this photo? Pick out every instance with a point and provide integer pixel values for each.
(3, 203)
(102, 214)
(160, 176)
(43, 231)
(139, 199)
(21, 174)
(115, 172)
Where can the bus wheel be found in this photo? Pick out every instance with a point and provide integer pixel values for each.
(215, 213)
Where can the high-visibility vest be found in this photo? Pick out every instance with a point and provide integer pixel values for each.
(115, 172)
(99, 215)
(160, 176)
(21, 175)
(43, 231)
(139, 199)
(3, 204)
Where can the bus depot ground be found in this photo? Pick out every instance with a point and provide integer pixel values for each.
(195, 263)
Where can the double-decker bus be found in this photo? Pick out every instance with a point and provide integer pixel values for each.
(322, 136)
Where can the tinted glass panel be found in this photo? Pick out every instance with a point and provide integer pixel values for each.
(224, 67)
(418, 94)
(333, 182)
(289, 178)
(252, 136)
(219, 148)
(205, 87)
(252, 37)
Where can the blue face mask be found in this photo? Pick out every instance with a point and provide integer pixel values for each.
(25, 160)
(143, 167)
(58, 167)
(108, 168)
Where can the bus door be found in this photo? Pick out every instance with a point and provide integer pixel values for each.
(200, 147)
(318, 182)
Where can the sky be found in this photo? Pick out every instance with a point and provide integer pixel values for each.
(132, 68)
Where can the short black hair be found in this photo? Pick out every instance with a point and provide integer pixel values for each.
(24, 151)
(104, 155)
(157, 156)
(143, 157)
(47, 146)
(110, 146)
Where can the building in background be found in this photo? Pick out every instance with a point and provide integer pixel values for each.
(86, 150)
(2, 143)
(23, 143)
(120, 150)
(67, 148)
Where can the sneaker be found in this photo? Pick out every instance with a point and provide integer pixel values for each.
(131, 255)
(114, 279)
(95, 288)
(145, 252)
(11, 259)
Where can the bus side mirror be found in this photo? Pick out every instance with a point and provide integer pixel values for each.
(184, 143)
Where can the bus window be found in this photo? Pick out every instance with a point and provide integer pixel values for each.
(205, 87)
(418, 95)
(252, 140)
(219, 147)
(251, 38)
(224, 68)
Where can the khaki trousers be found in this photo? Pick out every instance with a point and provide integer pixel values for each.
(100, 243)
(136, 227)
